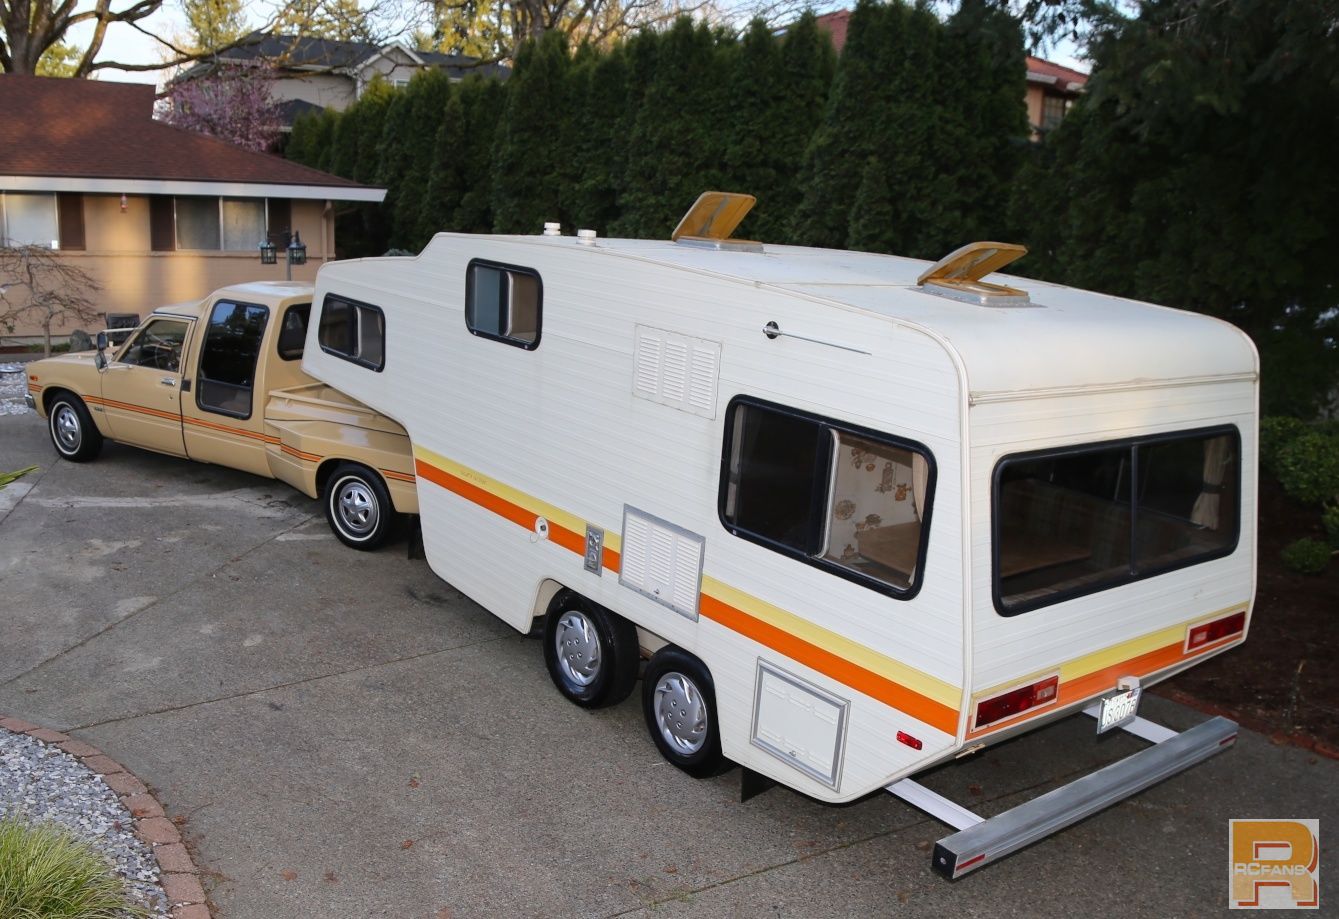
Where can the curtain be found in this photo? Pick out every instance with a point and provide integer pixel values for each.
(920, 480)
(1205, 512)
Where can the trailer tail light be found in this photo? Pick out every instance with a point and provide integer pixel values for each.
(1209, 632)
(904, 737)
(1008, 704)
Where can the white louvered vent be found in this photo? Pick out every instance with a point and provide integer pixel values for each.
(677, 371)
(661, 561)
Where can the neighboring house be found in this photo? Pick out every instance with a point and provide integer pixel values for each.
(155, 214)
(1051, 88)
(317, 73)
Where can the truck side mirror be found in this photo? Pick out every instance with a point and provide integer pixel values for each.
(101, 359)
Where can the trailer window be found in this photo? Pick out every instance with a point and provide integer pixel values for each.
(354, 331)
(504, 303)
(853, 502)
(1071, 522)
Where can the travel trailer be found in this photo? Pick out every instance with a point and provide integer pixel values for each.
(860, 514)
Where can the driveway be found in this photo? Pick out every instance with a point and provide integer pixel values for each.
(347, 736)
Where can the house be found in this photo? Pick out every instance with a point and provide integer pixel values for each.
(1051, 88)
(317, 73)
(153, 213)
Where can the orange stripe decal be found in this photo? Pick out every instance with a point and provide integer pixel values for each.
(513, 512)
(871, 684)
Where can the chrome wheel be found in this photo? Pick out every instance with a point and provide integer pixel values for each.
(65, 428)
(681, 713)
(357, 508)
(578, 645)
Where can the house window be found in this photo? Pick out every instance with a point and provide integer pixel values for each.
(220, 224)
(852, 502)
(504, 303)
(1053, 111)
(229, 356)
(354, 331)
(1074, 521)
(30, 220)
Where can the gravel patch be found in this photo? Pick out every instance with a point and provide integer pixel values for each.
(12, 388)
(40, 783)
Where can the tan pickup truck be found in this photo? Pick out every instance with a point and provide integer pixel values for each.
(221, 381)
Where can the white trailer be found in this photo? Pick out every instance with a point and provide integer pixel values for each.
(861, 514)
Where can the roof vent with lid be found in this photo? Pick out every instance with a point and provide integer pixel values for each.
(958, 275)
(712, 218)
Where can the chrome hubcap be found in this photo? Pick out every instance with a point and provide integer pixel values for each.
(681, 713)
(66, 428)
(357, 508)
(578, 646)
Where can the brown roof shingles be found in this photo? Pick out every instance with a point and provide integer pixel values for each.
(67, 128)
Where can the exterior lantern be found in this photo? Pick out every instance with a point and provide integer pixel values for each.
(297, 251)
(268, 253)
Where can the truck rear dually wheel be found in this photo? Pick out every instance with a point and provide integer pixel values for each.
(73, 433)
(591, 653)
(679, 702)
(358, 507)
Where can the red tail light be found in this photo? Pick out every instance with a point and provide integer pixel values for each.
(1008, 704)
(904, 737)
(1209, 632)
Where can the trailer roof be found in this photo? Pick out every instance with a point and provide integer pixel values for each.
(1066, 337)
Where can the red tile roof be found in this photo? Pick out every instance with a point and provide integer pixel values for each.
(1066, 79)
(98, 130)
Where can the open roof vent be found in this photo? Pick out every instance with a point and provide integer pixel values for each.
(958, 275)
(712, 218)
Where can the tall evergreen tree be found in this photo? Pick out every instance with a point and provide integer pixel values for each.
(428, 94)
(605, 118)
(446, 185)
(805, 82)
(481, 100)
(530, 140)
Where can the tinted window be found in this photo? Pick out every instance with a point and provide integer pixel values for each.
(503, 302)
(853, 502)
(293, 331)
(229, 356)
(354, 331)
(1075, 521)
(158, 345)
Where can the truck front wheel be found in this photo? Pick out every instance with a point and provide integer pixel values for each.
(358, 507)
(73, 433)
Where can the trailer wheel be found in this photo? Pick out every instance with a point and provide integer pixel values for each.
(679, 702)
(73, 433)
(591, 653)
(358, 507)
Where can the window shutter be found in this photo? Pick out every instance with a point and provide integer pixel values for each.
(71, 210)
(162, 224)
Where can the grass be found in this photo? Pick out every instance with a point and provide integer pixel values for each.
(7, 477)
(45, 873)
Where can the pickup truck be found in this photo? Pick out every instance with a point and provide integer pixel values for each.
(221, 381)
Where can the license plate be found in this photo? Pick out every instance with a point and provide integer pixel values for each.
(1118, 710)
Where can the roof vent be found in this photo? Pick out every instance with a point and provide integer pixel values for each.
(586, 237)
(958, 275)
(712, 218)
(553, 229)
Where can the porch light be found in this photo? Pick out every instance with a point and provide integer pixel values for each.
(268, 253)
(297, 250)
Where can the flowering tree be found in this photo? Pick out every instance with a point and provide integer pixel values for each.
(234, 102)
(37, 285)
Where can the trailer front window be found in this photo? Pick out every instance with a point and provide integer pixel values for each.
(855, 503)
(1074, 521)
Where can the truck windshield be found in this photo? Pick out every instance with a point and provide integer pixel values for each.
(1073, 521)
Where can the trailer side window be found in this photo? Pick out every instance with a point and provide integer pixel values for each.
(354, 331)
(504, 303)
(853, 502)
(1074, 521)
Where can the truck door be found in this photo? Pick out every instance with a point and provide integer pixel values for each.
(223, 423)
(141, 387)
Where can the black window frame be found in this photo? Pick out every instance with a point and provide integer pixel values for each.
(1135, 575)
(369, 365)
(512, 269)
(306, 328)
(200, 362)
(823, 477)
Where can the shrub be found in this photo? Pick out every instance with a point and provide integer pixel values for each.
(1277, 432)
(1307, 556)
(1308, 467)
(1330, 518)
(45, 873)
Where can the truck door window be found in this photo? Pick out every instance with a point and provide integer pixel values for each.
(354, 331)
(229, 356)
(158, 345)
(853, 502)
(504, 303)
(293, 331)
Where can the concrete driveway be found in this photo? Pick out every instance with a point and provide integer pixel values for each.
(347, 736)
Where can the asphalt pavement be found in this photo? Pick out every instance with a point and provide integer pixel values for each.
(345, 735)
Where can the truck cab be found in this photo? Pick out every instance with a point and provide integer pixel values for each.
(221, 381)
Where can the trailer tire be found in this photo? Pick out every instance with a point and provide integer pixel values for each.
(591, 653)
(358, 507)
(73, 433)
(679, 702)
